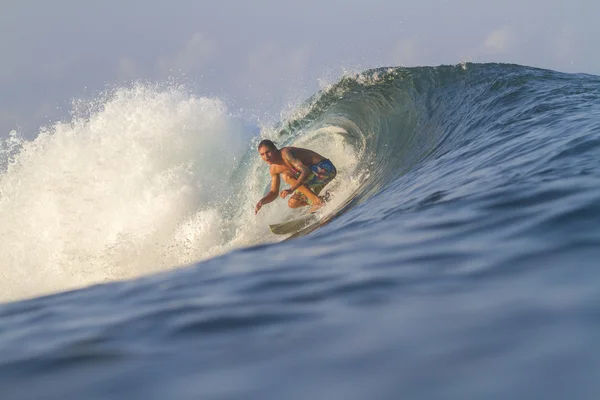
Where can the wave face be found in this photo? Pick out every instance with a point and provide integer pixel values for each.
(461, 248)
(407, 118)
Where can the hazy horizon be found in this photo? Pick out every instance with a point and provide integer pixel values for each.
(264, 56)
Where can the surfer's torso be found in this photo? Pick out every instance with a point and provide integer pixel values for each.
(306, 156)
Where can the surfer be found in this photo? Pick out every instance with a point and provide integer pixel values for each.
(306, 171)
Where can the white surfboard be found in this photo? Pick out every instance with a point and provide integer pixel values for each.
(293, 225)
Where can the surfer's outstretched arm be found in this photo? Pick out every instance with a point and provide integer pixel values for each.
(272, 195)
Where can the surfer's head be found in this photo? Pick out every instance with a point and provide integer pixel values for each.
(267, 150)
(267, 143)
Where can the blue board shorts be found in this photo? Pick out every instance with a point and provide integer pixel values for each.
(322, 173)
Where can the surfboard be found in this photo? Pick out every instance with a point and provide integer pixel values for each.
(293, 225)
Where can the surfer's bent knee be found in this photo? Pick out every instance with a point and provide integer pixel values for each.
(295, 203)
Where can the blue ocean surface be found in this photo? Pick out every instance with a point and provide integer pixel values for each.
(458, 259)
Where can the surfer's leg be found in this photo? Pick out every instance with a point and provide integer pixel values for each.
(315, 207)
(297, 200)
(310, 198)
(322, 174)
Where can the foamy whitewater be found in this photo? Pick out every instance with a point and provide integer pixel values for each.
(457, 259)
(141, 180)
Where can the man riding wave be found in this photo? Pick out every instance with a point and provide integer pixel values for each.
(306, 171)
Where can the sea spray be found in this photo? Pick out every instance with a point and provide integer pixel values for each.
(141, 180)
(102, 196)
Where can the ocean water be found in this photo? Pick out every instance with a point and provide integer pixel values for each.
(458, 256)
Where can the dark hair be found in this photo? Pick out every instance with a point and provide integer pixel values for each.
(267, 143)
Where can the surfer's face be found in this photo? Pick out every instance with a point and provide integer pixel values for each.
(266, 154)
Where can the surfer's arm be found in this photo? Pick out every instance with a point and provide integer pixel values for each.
(272, 195)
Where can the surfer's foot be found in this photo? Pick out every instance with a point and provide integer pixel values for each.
(318, 205)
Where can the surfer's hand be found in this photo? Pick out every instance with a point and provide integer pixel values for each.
(258, 207)
(285, 192)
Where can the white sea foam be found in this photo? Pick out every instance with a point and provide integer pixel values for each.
(139, 181)
(116, 193)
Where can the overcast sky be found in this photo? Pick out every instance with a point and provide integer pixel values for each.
(261, 55)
